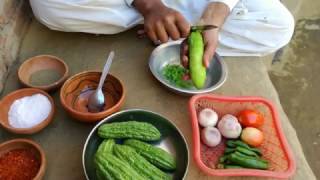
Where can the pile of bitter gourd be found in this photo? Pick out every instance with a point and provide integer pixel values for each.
(134, 159)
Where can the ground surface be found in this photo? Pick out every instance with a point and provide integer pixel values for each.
(295, 74)
(63, 139)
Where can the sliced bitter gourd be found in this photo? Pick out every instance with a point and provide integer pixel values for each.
(157, 156)
(130, 129)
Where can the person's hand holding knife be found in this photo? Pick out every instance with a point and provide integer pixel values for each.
(162, 23)
(215, 14)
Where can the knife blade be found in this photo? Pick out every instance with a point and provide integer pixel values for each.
(203, 27)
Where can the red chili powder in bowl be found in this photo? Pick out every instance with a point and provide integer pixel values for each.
(19, 164)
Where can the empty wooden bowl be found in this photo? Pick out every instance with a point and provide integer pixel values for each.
(35, 69)
(76, 90)
(8, 100)
(27, 144)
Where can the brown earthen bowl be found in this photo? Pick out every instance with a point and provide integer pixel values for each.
(26, 144)
(76, 90)
(39, 63)
(8, 100)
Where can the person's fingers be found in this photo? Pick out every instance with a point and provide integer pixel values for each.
(183, 25)
(151, 33)
(141, 33)
(161, 33)
(182, 50)
(172, 30)
(184, 54)
(209, 51)
(185, 62)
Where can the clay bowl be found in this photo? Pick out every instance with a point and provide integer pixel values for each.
(6, 103)
(39, 63)
(28, 144)
(76, 90)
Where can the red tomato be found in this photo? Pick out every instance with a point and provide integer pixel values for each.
(252, 136)
(250, 118)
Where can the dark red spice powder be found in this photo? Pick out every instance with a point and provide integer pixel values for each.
(19, 164)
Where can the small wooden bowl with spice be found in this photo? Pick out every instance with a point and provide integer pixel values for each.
(44, 72)
(22, 159)
(26, 111)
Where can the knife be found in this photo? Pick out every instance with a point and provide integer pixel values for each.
(203, 27)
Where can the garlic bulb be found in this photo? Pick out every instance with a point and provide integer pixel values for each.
(208, 117)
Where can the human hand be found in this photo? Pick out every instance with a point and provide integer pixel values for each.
(215, 13)
(161, 22)
(210, 38)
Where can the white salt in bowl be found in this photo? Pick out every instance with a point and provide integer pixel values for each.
(9, 99)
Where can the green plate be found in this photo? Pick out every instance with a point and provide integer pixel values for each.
(171, 140)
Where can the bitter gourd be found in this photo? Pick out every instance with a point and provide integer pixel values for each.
(130, 129)
(196, 50)
(111, 167)
(106, 146)
(157, 156)
(138, 163)
(100, 175)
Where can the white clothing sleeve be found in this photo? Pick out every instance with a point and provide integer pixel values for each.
(230, 3)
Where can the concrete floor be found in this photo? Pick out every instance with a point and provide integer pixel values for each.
(295, 74)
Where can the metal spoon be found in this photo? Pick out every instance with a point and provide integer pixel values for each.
(96, 99)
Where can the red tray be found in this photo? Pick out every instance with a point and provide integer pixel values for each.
(275, 147)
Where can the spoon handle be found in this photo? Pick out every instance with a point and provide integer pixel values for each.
(105, 70)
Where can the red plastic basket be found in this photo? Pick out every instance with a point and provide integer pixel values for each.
(274, 148)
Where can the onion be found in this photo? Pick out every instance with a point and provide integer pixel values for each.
(229, 126)
(208, 117)
(211, 136)
(252, 136)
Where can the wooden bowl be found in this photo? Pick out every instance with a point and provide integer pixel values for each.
(76, 90)
(29, 144)
(43, 62)
(6, 103)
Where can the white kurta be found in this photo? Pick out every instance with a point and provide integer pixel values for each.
(253, 28)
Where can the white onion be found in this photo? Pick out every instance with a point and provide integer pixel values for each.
(208, 117)
(210, 136)
(229, 126)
